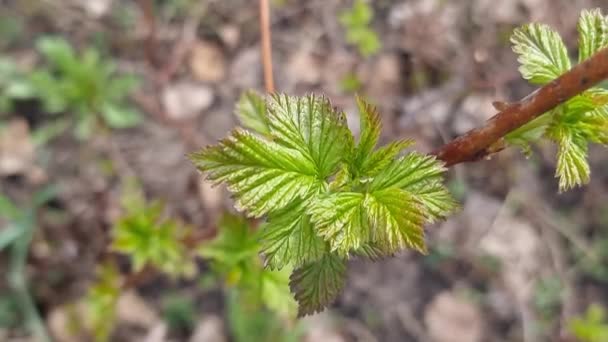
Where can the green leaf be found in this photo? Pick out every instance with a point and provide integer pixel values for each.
(356, 21)
(359, 15)
(592, 327)
(263, 175)
(317, 284)
(251, 111)
(390, 218)
(594, 124)
(101, 303)
(341, 219)
(85, 127)
(407, 171)
(370, 132)
(8, 209)
(234, 243)
(437, 202)
(120, 88)
(593, 33)
(148, 238)
(397, 219)
(371, 251)
(572, 167)
(288, 238)
(542, 53)
(58, 51)
(120, 116)
(529, 133)
(10, 234)
(382, 157)
(276, 294)
(311, 126)
(49, 91)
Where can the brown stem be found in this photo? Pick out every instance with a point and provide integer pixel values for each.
(486, 140)
(266, 45)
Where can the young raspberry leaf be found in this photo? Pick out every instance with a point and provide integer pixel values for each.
(370, 132)
(263, 175)
(595, 125)
(288, 238)
(340, 218)
(408, 171)
(422, 177)
(317, 284)
(572, 167)
(437, 202)
(311, 126)
(391, 219)
(593, 33)
(529, 133)
(542, 53)
(251, 111)
(382, 157)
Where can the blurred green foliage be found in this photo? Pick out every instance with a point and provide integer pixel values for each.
(179, 311)
(547, 297)
(17, 306)
(592, 327)
(150, 238)
(356, 21)
(13, 85)
(253, 290)
(100, 302)
(86, 85)
(594, 260)
(350, 83)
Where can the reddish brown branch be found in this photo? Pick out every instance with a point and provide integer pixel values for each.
(266, 45)
(486, 140)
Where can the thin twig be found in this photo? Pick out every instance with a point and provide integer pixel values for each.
(484, 141)
(151, 44)
(266, 45)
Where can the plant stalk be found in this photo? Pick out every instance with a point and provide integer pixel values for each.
(266, 45)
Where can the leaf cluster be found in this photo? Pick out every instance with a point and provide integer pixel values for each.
(592, 327)
(580, 121)
(150, 238)
(324, 195)
(100, 302)
(234, 257)
(85, 84)
(356, 21)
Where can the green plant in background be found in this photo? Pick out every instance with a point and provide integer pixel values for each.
(13, 85)
(593, 327)
(356, 21)
(325, 196)
(234, 257)
(594, 261)
(100, 302)
(581, 120)
(351, 83)
(86, 85)
(547, 296)
(16, 238)
(179, 311)
(149, 238)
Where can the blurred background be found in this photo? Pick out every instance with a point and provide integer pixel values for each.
(102, 100)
